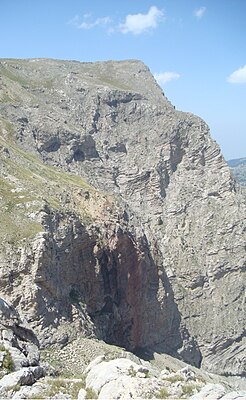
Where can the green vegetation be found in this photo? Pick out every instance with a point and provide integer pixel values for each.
(5, 98)
(52, 357)
(7, 127)
(162, 394)
(14, 224)
(111, 82)
(8, 363)
(59, 385)
(24, 184)
(15, 388)
(90, 394)
(12, 76)
(48, 83)
(175, 378)
(188, 389)
(61, 366)
(132, 372)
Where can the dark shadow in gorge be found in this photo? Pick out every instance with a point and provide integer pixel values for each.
(140, 312)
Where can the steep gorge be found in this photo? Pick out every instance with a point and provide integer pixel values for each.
(134, 226)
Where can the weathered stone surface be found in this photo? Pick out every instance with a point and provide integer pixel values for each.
(210, 392)
(239, 395)
(105, 372)
(82, 394)
(159, 257)
(93, 363)
(25, 376)
(122, 379)
(124, 387)
(17, 339)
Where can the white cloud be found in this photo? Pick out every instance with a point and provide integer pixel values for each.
(87, 23)
(98, 22)
(199, 12)
(163, 77)
(238, 76)
(139, 23)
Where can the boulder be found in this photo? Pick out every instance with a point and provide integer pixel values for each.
(210, 392)
(105, 372)
(25, 376)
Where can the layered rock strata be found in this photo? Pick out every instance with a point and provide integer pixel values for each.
(155, 256)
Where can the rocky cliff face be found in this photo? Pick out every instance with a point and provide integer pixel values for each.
(122, 218)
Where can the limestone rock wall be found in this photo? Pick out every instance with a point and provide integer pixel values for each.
(175, 276)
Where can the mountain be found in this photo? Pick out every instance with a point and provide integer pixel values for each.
(238, 168)
(120, 219)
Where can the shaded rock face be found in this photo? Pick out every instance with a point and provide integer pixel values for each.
(17, 340)
(102, 282)
(171, 272)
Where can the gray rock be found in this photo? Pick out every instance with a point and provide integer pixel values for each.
(81, 394)
(25, 376)
(237, 395)
(187, 373)
(154, 253)
(124, 387)
(105, 372)
(17, 338)
(93, 363)
(2, 356)
(210, 392)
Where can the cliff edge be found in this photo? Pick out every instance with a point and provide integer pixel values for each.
(120, 217)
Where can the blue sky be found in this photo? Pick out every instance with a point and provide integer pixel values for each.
(195, 48)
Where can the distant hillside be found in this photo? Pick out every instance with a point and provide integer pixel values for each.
(238, 167)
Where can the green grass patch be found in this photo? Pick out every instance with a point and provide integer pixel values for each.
(189, 388)
(8, 363)
(162, 394)
(5, 98)
(15, 225)
(13, 76)
(113, 83)
(174, 379)
(15, 388)
(48, 83)
(60, 385)
(27, 184)
(7, 126)
(91, 394)
(132, 372)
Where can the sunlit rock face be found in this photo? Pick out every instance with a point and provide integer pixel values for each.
(150, 251)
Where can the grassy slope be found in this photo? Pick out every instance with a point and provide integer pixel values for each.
(26, 185)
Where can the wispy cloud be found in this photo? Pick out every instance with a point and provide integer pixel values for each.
(86, 22)
(139, 23)
(163, 77)
(199, 12)
(238, 76)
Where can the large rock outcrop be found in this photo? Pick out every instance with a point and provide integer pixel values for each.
(151, 251)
